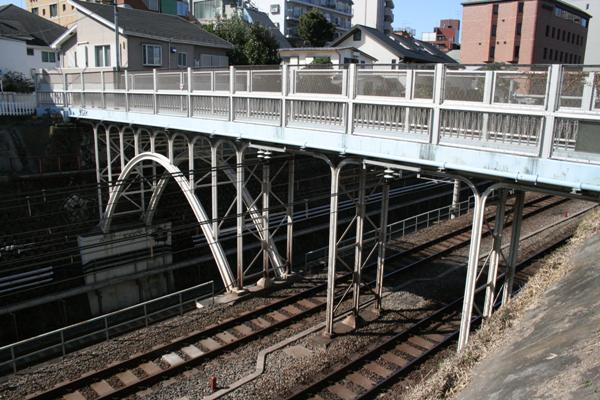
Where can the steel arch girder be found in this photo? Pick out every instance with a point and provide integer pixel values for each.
(199, 211)
(255, 215)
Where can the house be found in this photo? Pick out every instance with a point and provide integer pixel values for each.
(147, 40)
(366, 45)
(391, 48)
(333, 55)
(25, 41)
(64, 13)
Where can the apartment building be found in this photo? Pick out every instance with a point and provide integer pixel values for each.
(376, 14)
(523, 32)
(63, 13)
(445, 36)
(286, 14)
(592, 48)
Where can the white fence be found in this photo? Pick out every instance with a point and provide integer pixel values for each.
(548, 111)
(14, 104)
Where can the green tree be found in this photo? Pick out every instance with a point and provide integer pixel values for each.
(314, 29)
(252, 43)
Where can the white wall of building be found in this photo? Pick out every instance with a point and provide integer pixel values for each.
(368, 45)
(592, 50)
(371, 13)
(14, 57)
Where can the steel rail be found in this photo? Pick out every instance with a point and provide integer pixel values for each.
(439, 317)
(212, 330)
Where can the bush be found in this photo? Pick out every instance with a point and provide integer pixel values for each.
(14, 81)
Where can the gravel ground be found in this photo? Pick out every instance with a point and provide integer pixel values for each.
(280, 372)
(284, 371)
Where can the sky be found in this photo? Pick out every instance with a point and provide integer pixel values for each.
(421, 15)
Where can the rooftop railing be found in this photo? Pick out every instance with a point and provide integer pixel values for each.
(535, 110)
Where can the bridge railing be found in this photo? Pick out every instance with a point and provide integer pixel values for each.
(537, 110)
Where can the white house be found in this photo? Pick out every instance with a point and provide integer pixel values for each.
(25, 41)
(333, 55)
(391, 48)
(147, 40)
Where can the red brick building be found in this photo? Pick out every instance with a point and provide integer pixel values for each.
(445, 36)
(523, 32)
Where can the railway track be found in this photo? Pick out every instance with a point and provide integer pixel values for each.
(382, 364)
(143, 370)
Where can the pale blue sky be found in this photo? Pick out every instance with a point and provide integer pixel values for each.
(421, 15)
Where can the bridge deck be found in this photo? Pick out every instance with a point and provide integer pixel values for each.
(535, 125)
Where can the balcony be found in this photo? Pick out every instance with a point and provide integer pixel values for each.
(340, 7)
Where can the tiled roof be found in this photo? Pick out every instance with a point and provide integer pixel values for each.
(407, 48)
(18, 22)
(156, 25)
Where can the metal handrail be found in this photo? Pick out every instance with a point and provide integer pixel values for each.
(105, 330)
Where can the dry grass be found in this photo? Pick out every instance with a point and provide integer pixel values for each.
(454, 373)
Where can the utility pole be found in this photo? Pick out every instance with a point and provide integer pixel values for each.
(117, 45)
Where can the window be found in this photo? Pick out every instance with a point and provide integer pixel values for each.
(48, 57)
(516, 53)
(181, 59)
(357, 35)
(35, 11)
(274, 8)
(519, 27)
(64, 7)
(153, 5)
(85, 56)
(545, 53)
(558, 34)
(553, 32)
(495, 9)
(29, 51)
(53, 10)
(494, 30)
(551, 53)
(152, 54)
(564, 36)
(43, 11)
(492, 52)
(568, 37)
(561, 57)
(102, 56)
(521, 7)
(76, 61)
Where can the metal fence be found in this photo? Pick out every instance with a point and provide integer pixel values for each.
(60, 342)
(517, 109)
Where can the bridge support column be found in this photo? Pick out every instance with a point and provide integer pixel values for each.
(332, 250)
(385, 200)
(239, 203)
(358, 249)
(98, 177)
(455, 199)
(214, 182)
(514, 246)
(495, 255)
(467, 310)
(266, 191)
(290, 217)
